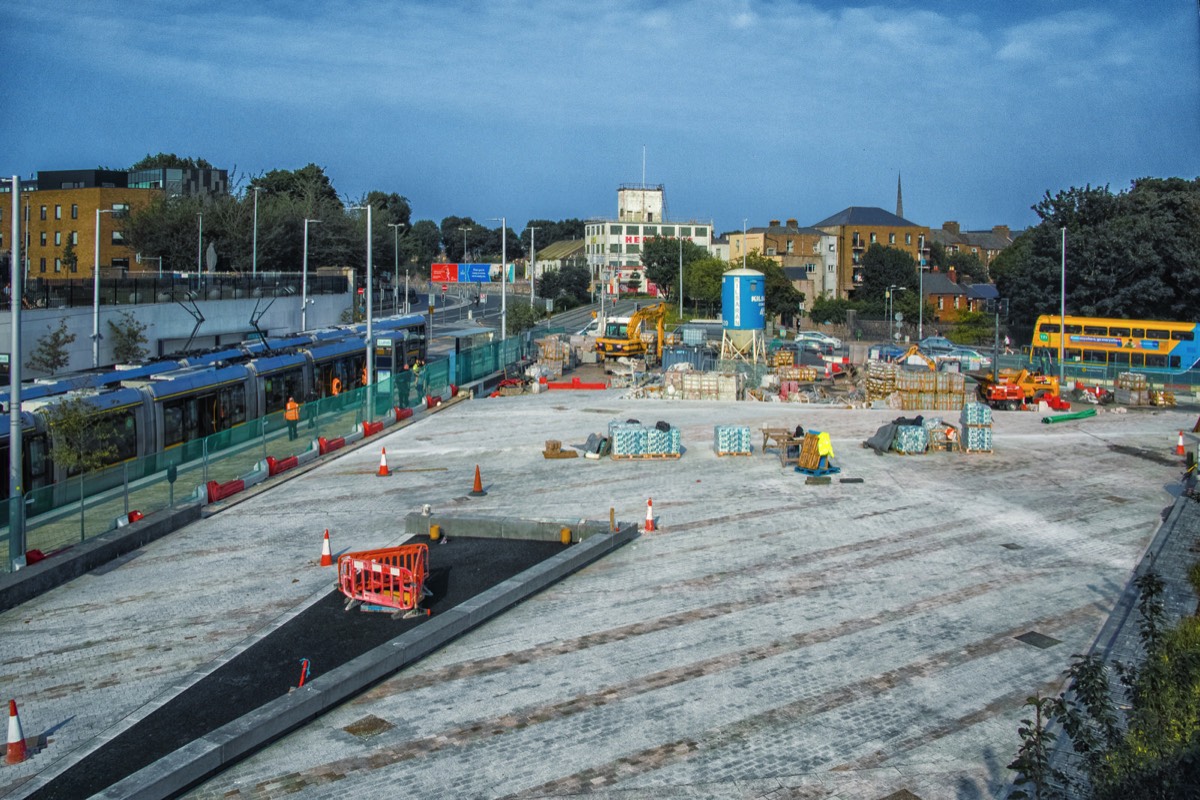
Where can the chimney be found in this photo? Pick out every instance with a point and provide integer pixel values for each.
(774, 223)
(1002, 231)
(791, 223)
(950, 226)
(952, 274)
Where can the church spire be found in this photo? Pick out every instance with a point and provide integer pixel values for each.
(899, 198)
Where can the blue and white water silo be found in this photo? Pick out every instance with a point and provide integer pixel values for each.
(743, 314)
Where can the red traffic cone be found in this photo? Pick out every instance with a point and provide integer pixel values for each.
(1179, 447)
(828, 373)
(326, 556)
(383, 467)
(650, 516)
(477, 489)
(16, 739)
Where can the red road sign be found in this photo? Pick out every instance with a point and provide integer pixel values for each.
(444, 288)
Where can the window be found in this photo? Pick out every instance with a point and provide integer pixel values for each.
(633, 248)
(57, 211)
(1157, 333)
(1095, 356)
(118, 238)
(1118, 331)
(614, 248)
(702, 231)
(831, 248)
(1183, 336)
(908, 238)
(1095, 330)
(1156, 360)
(120, 209)
(57, 238)
(874, 239)
(75, 237)
(74, 211)
(120, 263)
(810, 268)
(616, 230)
(668, 230)
(43, 212)
(941, 302)
(58, 265)
(1137, 333)
(685, 231)
(791, 246)
(829, 268)
(650, 230)
(42, 265)
(43, 238)
(891, 238)
(75, 265)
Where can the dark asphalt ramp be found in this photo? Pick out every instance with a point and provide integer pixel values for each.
(325, 634)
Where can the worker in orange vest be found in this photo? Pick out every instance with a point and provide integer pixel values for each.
(292, 415)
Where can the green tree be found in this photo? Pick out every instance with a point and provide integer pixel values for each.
(702, 283)
(128, 337)
(1133, 255)
(309, 186)
(783, 300)
(968, 266)
(883, 267)
(549, 231)
(660, 260)
(81, 440)
(170, 161)
(568, 286)
(522, 317)
(51, 355)
(70, 258)
(831, 309)
(1036, 779)
(421, 245)
(634, 281)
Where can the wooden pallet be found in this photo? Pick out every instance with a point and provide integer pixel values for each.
(733, 452)
(646, 456)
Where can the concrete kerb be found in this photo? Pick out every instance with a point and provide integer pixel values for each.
(502, 527)
(29, 582)
(235, 740)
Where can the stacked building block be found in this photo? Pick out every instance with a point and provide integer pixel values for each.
(731, 440)
(976, 422)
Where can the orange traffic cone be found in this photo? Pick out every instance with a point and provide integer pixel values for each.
(477, 490)
(16, 739)
(326, 556)
(1179, 447)
(383, 467)
(827, 371)
(649, 516)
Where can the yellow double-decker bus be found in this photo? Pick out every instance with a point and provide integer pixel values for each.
(1136, 344)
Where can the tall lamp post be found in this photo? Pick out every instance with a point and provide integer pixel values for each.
(369, 364)
(532, 263)
(464, 229)
(681, 279)
(96, 292)
(503, 275)
(304, 280)
(920, 299)
(254, 246)
(16, 500)
(891, 306)
(396, 226)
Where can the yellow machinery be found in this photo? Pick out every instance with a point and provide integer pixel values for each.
(623, 337)
(1013, 389)
(914, 355)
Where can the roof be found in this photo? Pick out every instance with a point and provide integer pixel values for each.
(982, 291)
(788, 230)
(560, 250)
(795, 273)
(937, 283)
(865, 215)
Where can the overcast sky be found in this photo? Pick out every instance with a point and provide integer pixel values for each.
(747, 109)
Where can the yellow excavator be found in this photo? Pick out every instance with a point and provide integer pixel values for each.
(624, 337)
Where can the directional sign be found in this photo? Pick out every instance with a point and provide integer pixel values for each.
(443, 273)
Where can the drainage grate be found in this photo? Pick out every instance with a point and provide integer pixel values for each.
(1012, 546)
(368, 726)
(1039, 640)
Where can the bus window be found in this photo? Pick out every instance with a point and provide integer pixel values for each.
(1048, 327)
(1138, 333)
(1157, 333)
(1114, 331)
(1072, 329)
(1183, 336)
(1096, 330)
(1136, 360)
(1175, 363)
(1156, 360)
(1071, 354)
(1120, 358)
(1095, 356)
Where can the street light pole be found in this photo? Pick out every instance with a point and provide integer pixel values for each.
(396, 226)
(464, 229)
(16, 471)
(368, 366)
(533, 262)
(254, 251)
(1062, 309)
(304, 280)
(200, 246)
(743, 243)
(681, 278)
(503, 275)
(96, 293)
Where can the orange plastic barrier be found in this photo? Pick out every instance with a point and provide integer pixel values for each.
(453, 390)
(393, 577)
(432, 400)
(276, 466)
(329, 445)
(219, 491)
(575, 384)
(135, 515)
(372, 428)
(402, 413)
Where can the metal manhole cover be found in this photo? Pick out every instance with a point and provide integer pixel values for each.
(1012, 546)
(368, 726)
(1039, 640)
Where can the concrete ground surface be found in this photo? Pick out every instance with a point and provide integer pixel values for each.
(772, 639)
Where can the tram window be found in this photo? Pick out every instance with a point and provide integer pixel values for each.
(237, 404)
(1183, 336)
(1138, 333)
(1157, 333)
(124, 432)
(1095, 356)
(1096, 330)
(172, 424)
(1156, 360)
(275, 390)
(1118, 331)
(1072, 329)
(35, 461)
(1119, 358)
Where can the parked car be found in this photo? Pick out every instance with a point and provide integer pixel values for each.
(967, 358)
(885, 352)
(936, 345)
(817, 336)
